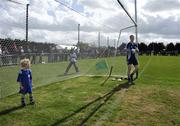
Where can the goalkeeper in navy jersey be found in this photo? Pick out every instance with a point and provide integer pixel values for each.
(73, 60)
(132, 49)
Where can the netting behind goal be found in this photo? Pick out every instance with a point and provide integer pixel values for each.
(55, 31)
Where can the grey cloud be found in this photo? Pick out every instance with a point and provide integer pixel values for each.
(118, 21)
(161, 5)
(92, 4)
(161, 26)
(67, 24)
(158, 27)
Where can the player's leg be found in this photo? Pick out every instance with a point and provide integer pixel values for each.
(129, 73)
(67, 69)
(31, 99)
(136, 71)
(23, 103)
(76, 68)
(135, 64)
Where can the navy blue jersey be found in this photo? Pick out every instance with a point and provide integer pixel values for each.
(25, 78)
(131, 47)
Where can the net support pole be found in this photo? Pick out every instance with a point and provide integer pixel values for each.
(120, 36)
(78, 43)
(127, 12)
(27, 11)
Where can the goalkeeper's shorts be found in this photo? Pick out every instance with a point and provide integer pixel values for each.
(132, 60)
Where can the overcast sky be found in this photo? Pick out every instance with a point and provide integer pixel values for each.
(49, 21)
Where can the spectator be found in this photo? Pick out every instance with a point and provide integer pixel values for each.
(0, 55)
(14, 53)
(34, 53)
(40, 56)
(73, 60)
(21, 52)
(28, 53)
(5, 57)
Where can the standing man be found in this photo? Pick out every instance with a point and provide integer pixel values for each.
(73, 60)
(34, 53)
(0, 55)
(21, 52)
(132, 48)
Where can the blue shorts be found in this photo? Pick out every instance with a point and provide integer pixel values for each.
(132, 60)
(26, 89)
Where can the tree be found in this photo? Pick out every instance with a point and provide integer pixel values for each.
(177, 47)
(153, 47)
(143, 48)
(170, 48)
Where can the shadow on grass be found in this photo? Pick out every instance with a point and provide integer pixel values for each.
(105, 97)
(7, 111)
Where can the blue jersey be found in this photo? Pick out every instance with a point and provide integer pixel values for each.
(25, 78)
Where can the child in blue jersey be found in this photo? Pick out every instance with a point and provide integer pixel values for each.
(132, 48)
(25, 80)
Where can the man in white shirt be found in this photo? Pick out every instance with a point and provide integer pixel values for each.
(73, 60)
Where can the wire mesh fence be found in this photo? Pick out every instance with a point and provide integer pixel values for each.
(50, 34)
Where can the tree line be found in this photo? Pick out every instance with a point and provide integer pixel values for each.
(156, 48)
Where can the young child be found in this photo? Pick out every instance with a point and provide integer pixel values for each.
(25, 80)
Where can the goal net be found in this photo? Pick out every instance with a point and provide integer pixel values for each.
(88, 36)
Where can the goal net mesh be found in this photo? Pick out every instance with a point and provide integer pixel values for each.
(56, 30)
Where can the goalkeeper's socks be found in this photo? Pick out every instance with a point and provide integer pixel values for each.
(131, 77)
(129, 80)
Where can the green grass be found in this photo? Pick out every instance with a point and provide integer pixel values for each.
(44, 74)
(153, 101)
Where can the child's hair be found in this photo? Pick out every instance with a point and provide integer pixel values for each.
(25, 63)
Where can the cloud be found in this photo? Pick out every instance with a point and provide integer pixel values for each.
(52, 22)
(162, 5)
(160, 26)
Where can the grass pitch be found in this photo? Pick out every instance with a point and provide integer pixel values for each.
(153, 101)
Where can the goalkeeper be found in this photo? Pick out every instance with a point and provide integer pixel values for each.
(132, 48)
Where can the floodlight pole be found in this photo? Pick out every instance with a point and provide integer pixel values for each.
(27, 10)
(136, 27)
(99, 39)
(108, 41)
